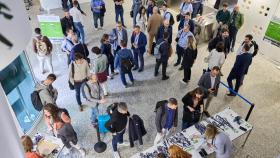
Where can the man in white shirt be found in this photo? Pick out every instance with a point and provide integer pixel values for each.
(166, 14)
(248, 40)
(186, 7)
(78, 20)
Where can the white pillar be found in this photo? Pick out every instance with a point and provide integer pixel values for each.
(10, 144)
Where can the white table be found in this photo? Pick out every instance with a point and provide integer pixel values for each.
(191, 140)
(56, 141)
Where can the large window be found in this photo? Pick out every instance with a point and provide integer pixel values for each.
(17, 82)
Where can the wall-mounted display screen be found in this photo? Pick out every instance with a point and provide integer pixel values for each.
(272, 33)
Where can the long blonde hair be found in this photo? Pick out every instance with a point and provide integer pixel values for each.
(177, 152)
(211, 131)
(191, 42)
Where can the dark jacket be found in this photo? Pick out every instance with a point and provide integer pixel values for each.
(191, 23)
(189, 57)
(117, 122)
(241, 64)
(79, 48)
(205, 83)
(161, 31)
(67, 23)
(161, 116)
(223, 16)
(164, 49)
(122, 54)
(189, 116)
(212, 44)
(239, 19)
(114, 37)
(106, 49)
(142, 41)
(136, 130)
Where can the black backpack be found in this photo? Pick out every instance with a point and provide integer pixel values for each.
(36, 100)
(160, 104)
(126, 65)
(171, 20)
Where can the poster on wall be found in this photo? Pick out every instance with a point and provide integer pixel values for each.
(272, 34)
(51, 27)
(15, 30)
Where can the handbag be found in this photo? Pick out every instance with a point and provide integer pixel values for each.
(102, 77)
(131, 14)
(178, 17)
(71, 86)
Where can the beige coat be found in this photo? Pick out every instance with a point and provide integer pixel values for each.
(154, 23)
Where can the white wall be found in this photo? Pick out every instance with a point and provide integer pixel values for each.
(256, 24)
(10, 145)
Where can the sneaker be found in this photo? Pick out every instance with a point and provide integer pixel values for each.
(82, 152)
(156, 74)
(115, 73)
(184, 82)
(96, 29)
(124, 144)
(135, 68)
(232, 49)
(165, 78)
(231, 94)
(125, 86)
(181, 68)
(116, 154)
(140, 70)
(176, 64)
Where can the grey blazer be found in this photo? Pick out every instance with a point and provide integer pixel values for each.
(161, 116)
(205, 83)
(114, 37)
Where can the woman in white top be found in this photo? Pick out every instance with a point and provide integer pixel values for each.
(216, 56)
(141, 19)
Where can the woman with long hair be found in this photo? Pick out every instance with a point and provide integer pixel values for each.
(193, 107)
(189, 57)
(141, 19)
(177, 152)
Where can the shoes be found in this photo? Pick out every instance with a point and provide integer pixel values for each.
(231, 94)
(181, 68)
(125, 86)
(81, 108)
(116, 154)
(176, 64)
(124, 26)
(115, 73)
(82, 152)
(124, 144)
(232, 49)
(184, 82)
(135, 68)
(96, 29)
(140, 70)
(165, 78)
(156, 74)
(132, 83)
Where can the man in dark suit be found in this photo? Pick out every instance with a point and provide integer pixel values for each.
(138, 42)
(164, 51)
(209, 82)
(185, 21)
(117, 35)
(67, 22)
(240, 66)
(166, 27)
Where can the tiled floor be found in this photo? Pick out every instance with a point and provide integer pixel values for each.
(261, 86)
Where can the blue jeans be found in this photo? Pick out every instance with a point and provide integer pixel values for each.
(180, 53)
(97, 16)
(232, 35)
(77, 86)
(138, 55)
(80, 31)
(118, 138)
(186, 125)
(123, 77)
(119, 13)
(135, 12)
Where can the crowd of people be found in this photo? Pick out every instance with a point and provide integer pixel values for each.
(113, 57)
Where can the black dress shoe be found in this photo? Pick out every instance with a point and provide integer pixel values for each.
(156, 74)
(165, 78)
(176, 64)
(135, 68)
(231, 95)
(140, 70)
(181, 68)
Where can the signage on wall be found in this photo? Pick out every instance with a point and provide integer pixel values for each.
(51, 27)
(15, 30)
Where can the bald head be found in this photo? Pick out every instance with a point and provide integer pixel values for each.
(155, 10)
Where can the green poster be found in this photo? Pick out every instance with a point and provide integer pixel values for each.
(51, 27)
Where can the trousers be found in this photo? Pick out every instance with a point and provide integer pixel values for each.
(117, 138)
(232, 35)
(119, 13)
(138, 55)
(164, 66)
(45, 59)
(238, 79)
(122, 74)
(180, 53)
(97, 16)
(80, 31)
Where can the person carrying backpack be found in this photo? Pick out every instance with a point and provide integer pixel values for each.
(44, 93)
(166, 15)
(166, 118)
(42, 46)
(79, 48)
(162, 54)
(124, 63)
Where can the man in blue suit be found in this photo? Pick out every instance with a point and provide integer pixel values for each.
(185, 21)
(240, 66)
(138, 44)
(166, 27)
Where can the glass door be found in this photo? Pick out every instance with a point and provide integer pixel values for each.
(18, 84)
